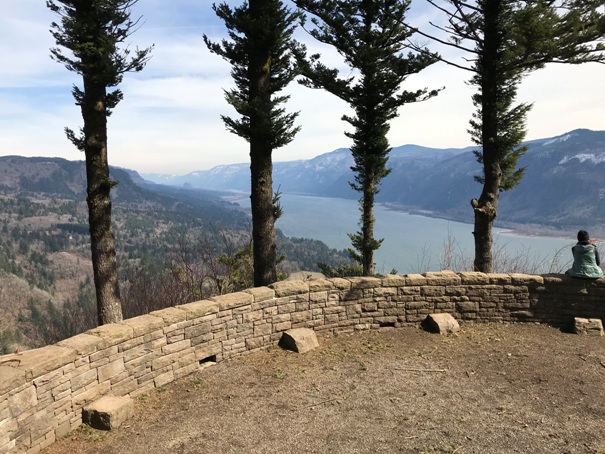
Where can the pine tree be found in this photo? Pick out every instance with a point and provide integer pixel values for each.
(260, 53)
(371, 37)
(92, 31)
(505, 40)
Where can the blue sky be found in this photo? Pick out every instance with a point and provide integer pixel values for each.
(169, 120)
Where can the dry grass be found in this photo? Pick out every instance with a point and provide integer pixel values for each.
(490, 389)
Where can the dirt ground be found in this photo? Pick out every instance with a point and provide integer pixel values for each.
(490, 389)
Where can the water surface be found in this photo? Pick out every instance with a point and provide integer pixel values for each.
(414, 243)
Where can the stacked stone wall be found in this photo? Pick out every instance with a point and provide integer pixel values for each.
(43, 391)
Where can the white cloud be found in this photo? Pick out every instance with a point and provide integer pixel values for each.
(25, 40)
(169, 120)
(565, 97)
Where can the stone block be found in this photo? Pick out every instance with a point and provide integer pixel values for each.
(432, 290)
(416, 305)
(386, 321)
(287, 308)
(385, 292)
(287, 288)
(473, 278)
(341, 283)
(590, 326)
(320, 285)
(263, 330)
(499, 278)
(467, 306)
(144, 324)
(96, 358)
(39, 361)
(441, 323)
(526, 279)
(164, 379)
(83, 344)
(300, 340)
(199, 309)
(303, 305)
(112, 334)
(261, 293)
(124, 387)
(108, 413)
(10, 378)
(82, 379)
(111, 369)
(414, 279)
(393, 280)
(365, 282)
(23, 401)
(90, 394)
(442, 278)
(170, 315)
(254, 343)
(252, 316)
(298, 317)
(176, 346)
(233, 300)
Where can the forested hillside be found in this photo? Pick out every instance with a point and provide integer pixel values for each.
(174, 246)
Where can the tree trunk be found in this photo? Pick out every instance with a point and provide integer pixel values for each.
(263, 220)
(102, 240)
(261, 167)
(486, 208)
(367, 231)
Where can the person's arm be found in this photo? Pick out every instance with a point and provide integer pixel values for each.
(596, 255)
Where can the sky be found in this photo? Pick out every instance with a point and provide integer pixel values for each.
(169, 120)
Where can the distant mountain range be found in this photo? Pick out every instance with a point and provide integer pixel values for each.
(63, 179)
(564, 184)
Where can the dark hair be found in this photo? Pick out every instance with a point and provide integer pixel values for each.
(583, 236)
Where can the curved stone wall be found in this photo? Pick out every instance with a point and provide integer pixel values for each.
(42, 391)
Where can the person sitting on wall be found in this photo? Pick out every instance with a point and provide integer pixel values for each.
(586, 259)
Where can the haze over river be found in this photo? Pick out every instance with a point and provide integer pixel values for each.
(413, 243)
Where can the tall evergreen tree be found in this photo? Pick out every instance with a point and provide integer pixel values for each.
(92, 31)
(504, 41)
(371, 37)
(260, 51)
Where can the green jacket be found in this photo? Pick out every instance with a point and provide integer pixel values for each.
(585, 261)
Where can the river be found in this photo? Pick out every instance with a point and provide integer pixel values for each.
(414, 243)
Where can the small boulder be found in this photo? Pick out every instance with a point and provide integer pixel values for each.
(109, 412)
(300, 340)
(441, 323)
(590, 326)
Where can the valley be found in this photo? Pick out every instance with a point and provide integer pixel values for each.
(173, 246)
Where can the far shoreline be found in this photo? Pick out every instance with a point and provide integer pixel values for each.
(506, 228)
(511, 229)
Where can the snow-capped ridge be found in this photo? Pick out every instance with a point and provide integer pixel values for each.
(594, 158)
(560, 139)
